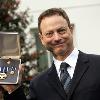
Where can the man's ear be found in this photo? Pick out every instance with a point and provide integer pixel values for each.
(72, 28)
(41, 37)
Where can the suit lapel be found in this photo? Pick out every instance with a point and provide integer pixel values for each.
(55, 82)
(81, 68)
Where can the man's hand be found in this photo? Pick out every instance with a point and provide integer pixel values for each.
(12, 87)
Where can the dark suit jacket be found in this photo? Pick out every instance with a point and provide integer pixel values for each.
(85, 83)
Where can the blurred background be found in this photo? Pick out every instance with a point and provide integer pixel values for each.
(21, 16)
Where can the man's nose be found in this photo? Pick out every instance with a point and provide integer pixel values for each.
(57, 36)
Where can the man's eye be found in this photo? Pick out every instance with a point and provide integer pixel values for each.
(62, 31)
(49, 34)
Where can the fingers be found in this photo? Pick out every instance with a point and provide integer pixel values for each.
(21, 72)
(7, 87)
(21, 68)
(10, 88)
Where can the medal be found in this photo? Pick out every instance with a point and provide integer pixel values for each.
(3, 74)
(7, 69)
(12, 70)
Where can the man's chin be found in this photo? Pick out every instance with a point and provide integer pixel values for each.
(59, 52)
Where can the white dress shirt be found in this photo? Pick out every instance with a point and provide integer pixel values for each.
(71, 60)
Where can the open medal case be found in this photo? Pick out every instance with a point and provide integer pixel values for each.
(9, 57)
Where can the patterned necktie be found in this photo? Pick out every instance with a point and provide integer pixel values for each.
(64, 76)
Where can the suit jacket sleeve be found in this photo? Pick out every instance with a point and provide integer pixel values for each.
(16, 95)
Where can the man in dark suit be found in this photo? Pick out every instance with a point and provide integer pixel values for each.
(56, 34)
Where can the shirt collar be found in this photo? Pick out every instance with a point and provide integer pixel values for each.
(71, 60)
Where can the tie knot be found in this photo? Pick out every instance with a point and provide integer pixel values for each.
(64, 66)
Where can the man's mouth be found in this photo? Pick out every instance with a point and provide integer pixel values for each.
(59, 45)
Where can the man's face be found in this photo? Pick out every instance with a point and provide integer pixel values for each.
(56, 35)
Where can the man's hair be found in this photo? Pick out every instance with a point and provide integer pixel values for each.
(51, 12)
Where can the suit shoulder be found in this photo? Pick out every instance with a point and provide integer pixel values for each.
(94, 56)
(40, 76)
